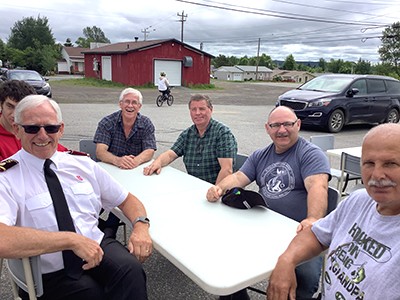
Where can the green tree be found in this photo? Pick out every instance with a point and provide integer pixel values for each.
(289, 63)
(220, 60)
(390, 49)
(30, 31)
(265, 60)
(68, 43)
(363, 67)
(92, 35)
(244, 61)
(2, 52)
(322, 64)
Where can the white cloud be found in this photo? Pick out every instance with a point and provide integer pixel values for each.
(223, 31)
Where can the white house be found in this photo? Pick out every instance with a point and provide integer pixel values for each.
(73, 61)
(243, 73)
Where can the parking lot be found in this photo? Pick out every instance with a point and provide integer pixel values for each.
(242, 106)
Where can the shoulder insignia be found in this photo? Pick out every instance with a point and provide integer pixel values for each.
(73, 152)
(7, 164)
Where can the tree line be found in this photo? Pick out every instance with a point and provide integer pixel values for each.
(32, 45)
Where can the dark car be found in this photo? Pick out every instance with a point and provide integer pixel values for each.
(332, 101)
(31, 77)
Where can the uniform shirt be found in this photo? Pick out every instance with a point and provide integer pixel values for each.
(25, 199)
(364, 250)
(110, 131)
(200, 154)
(9, 144)
(280, 177)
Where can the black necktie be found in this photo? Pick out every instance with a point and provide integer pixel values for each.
(72, 263)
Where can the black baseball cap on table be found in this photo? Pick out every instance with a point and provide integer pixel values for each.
(243, 199)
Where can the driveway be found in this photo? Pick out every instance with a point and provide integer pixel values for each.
(225, 93)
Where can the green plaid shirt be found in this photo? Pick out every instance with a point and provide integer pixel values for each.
(200, 155)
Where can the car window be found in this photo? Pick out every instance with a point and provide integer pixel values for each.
(31, 76)
(393, 87)
(376, 86)
(327, 84)
(361, 85)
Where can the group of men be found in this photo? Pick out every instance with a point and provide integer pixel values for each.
(292, 175)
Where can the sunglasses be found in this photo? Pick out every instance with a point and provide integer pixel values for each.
(33, 129)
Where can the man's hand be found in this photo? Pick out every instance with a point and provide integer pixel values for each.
(127, 162)
(154, 167)
(306, 223)
(214, 193)
(89, 250)
(140, 243)
(282, 282)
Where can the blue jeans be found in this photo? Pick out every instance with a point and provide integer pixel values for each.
(308, 275)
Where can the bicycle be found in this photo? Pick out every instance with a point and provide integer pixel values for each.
(161, 99)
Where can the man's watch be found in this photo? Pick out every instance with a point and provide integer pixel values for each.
(141, 219)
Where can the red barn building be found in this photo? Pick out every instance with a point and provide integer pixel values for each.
(140, 62)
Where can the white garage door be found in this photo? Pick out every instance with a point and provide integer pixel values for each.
(173, 69)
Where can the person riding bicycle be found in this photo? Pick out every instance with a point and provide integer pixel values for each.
(163, 85)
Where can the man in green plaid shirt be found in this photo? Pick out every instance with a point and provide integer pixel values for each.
(208, 147)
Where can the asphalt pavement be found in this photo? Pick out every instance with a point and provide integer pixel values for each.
(165, 281)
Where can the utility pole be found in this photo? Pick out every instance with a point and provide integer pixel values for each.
(258, 57)
(146, 32)
(182, 20)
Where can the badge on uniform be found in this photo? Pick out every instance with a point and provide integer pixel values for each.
(7, 164)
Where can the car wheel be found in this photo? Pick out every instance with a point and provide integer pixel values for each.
(336, 121)
(392, 116)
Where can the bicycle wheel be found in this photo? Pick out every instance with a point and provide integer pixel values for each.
(159, 100)
(170, 100)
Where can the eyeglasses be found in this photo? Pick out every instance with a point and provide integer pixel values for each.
(285, 124)
(33, 129)
(128, 102)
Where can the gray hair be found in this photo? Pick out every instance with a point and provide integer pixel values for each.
(33, 101)
(131, 91)
(201, 97)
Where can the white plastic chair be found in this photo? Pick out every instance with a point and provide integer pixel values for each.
(26, 274)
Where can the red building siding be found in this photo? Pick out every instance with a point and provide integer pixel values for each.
(136, 68)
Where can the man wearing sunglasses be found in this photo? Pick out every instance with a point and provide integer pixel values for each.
(292, 175)
(30, 221)
(11, 92)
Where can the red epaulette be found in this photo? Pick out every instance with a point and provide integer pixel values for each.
(73, 152)
(7, 164)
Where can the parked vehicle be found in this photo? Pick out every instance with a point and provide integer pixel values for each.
(333, 101)
(33, 78)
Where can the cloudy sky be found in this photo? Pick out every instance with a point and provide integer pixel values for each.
(308, 29)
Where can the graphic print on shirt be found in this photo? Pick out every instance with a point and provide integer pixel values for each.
(348, 263)
(278, 180)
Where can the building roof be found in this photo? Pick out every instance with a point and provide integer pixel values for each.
(75, 52)
(241, 69)
(253, 68)
(132, 46)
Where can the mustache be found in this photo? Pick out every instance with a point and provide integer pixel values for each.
(381, 183)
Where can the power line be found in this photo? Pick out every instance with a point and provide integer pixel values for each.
(276, 14)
